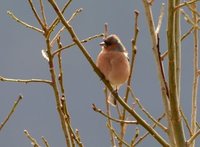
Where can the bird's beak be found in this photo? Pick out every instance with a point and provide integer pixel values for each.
(102, 43)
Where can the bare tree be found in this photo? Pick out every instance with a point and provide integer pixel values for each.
(170, 83)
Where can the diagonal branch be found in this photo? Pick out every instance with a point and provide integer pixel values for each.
(24, 23)
(36, 15)
(142, 122)
(33, 140)
(193, 137)
(11, 112)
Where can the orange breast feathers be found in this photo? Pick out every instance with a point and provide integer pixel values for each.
(114, 65)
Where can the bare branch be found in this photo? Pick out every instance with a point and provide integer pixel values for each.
(62, 29)
(82, 41)
(186, 121)
(36, 15)
(147, 113)
(133, 58)
(195, 82)
(187, 33)
(11, 111)
(185, 3)
(57, 20)
(75, 14)
(3, 79)
(45, 142)
(112, 137)
(111, 118)
(24, 23)
(147, 133)
(193, 137)
(33, 140)
(118, 137)
(43, 13)
(135, 137)
(160, 18)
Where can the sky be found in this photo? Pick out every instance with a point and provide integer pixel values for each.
(21, 58)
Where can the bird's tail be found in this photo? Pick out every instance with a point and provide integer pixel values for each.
(111, 99)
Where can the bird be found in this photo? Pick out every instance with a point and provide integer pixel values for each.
(113, 62)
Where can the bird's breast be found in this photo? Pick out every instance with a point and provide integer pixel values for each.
(115, 66)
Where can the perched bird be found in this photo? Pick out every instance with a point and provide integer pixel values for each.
(113, 63)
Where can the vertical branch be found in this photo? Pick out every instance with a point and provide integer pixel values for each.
(133, 56)
(55, 87)
(43, 13)
(112, 137)
(196, 76)
(109, 122)
(173, 96)
(177, 38)
(36, 15)
(69, 139)
(160, 69)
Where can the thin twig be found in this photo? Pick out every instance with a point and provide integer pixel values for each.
(188, 19)
(75, 14)
(33, 140)
(3, 79)
(112, 137)
(193, 10)
(36, 15)
(186, 121)
(137, 132)
(77, 134)
(147, 133)
(134, 51)
(24, 23)
(198, 125)
(193, 137)
(187, 33)
(111, 118)
(55, 84)
(118, 137)
(57, 20)
(43, 13)
(57, 35)
(62, 29)
(146, 112)
(76, 138)
(60, 77)
(45, 142)
(69, 138)
(164, 55)
(184, 4)
(106, 33)
(133, 58)
(160, 18)
(82, 41)
(11, 111)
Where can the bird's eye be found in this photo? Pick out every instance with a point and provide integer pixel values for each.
(107, 43)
